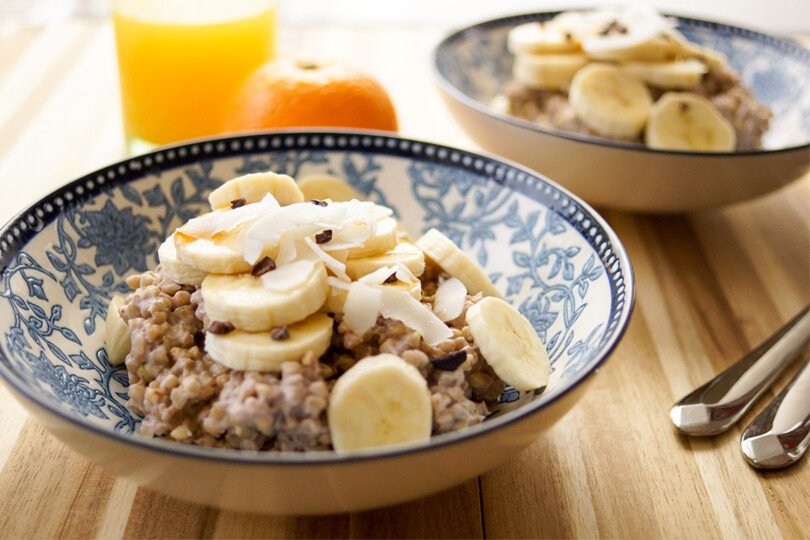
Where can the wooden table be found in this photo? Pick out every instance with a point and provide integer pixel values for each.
(711, 286)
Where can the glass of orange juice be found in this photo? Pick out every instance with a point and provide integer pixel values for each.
(180, 63)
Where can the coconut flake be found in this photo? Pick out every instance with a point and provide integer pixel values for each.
(361, 307)
(251, 249)
(448, 303)
(338, 268)
(207, 225)
(400, 305)
(378, 276)
(355, 232)
(287, 251)
(336, 283)
(288, 276)
(304, 219)
(404, 273)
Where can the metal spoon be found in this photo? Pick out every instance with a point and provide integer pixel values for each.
(718, 404)
(780, 434)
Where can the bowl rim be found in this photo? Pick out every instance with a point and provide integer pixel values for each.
(24, 226)
(798, 50)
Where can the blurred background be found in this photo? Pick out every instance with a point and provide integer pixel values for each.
(778, 17)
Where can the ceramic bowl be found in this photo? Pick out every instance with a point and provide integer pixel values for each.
(63, 258)
(472, 64)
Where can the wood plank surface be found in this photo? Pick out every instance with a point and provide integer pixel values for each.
(711, 286)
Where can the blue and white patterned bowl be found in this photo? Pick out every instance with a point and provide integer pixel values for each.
(472, 65)
(65, 256)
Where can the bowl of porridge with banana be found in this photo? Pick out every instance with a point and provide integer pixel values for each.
(234, 321)
(631, 108)
(301, 318)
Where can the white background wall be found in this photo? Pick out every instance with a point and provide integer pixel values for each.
(784, 17)
(773, 16)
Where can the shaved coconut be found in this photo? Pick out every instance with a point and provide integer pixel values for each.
(361, 307)
(288, 276)
(336, 283)
(287, 251)
(404, 273)
(203, 245)
(351, 223)
(373, 211)
(448, 303)
(252, 249)
(356, 232)
(378, 276)
(338, 268)
(339, 254)
(305, 219)
(400, 305)
(207, 225)
(335, 246)
(293, 221)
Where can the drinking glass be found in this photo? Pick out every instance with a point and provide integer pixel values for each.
(180, 63)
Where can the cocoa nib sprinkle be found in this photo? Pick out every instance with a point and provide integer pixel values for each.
(318, 203)
(614, 27)
(280, 332)
(263, 266)
(323, 237)
(221, 327)
(449, 362)
(236, 203)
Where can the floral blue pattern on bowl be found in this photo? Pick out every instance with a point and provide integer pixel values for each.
(67, 255)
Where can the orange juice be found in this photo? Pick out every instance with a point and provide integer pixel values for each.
(180, 63)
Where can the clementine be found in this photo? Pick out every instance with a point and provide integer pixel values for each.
(292, 93)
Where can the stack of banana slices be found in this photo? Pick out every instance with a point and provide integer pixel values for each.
(276, 261)
(606, 60)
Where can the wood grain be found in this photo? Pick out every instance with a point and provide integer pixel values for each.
(711, 285)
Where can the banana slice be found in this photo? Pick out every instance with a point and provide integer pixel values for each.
(175, 269)
(690, 122)
(403, 253)
(509, 344)
(452, 260)
(253, 187)
(266, 351)
(282, 296)
(689, 49)
(540, 38)
(222, 254)
(116, 333)
(384, 239)
(327, 187)
(659, 48)
(547, 71)
(611, 102)
(680, 74)
(381, 400)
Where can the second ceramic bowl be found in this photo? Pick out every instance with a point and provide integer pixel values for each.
(472, 64)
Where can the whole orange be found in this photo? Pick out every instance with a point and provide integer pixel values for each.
(292, 93)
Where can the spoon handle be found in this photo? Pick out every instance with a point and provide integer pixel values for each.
(718, 404)
(779, 435)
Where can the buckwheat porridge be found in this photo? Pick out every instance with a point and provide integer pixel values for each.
(627, 74)
(291, 319)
